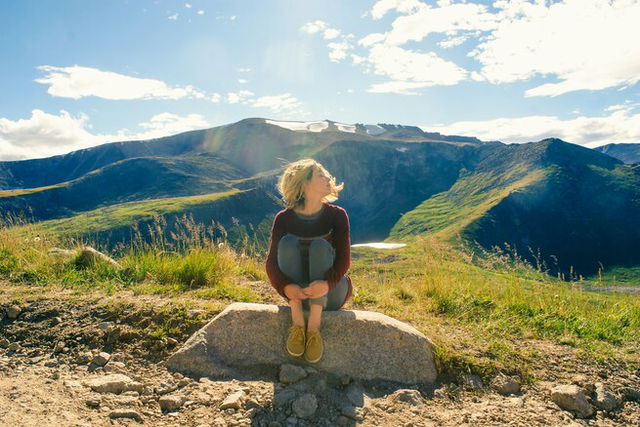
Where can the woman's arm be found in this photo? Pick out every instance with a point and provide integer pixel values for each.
(277, 278)
(342, 244)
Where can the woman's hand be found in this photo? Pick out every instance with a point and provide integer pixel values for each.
(316, 289)
(293, 291)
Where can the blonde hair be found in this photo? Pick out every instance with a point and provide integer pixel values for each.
(296, 175)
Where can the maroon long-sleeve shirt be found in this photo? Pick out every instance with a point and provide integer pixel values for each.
(332, 225)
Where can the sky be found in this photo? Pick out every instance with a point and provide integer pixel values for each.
(79, 73)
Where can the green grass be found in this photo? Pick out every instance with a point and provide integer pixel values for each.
(476, 307)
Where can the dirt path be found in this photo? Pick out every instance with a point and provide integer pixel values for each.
(46, 374)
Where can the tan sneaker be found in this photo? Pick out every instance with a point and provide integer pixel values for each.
(314, 348)
(296, 341)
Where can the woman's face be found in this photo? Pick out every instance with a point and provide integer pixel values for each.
(319, 184)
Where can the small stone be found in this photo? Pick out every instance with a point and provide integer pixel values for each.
(343, 421)
(345, 379)
(604, 399)
(101, 359)
(355, 394)
(234, 400)
(505, 385)
(275, 424)
(93, 402)
(4, 343)
(14, 346)
(412, 397)
(56, 320)
(291, 373)
(125, 413)
(58, 347)
(283, 397)
(13, 312)
(84, 357)
(114, 383)
(166, 387)
(305, 405)
(572, 398)
(171, 403)
(105, 325)
(630, 394)
(349, 411)
(472, 380)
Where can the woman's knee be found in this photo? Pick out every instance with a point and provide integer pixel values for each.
(321, 247)
(288, 244)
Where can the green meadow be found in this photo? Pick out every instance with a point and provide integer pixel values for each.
(479, 309)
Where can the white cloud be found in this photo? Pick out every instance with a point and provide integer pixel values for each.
(621, 125)
(164, 124)
(201, 12)
(243, 81)
(242, 96)
(338, 50)
(45, 135)
(331, 33)
(188, 6)
(77, 82)
(173, 17)
(586, 44)
(426, 69)
(402, 88)
(279, 103)
(383, 6)
(314, 27)
(576, 44)
(244, 70)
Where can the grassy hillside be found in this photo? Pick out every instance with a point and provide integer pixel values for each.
(124, 181)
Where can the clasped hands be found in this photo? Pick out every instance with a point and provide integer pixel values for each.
(316, 289)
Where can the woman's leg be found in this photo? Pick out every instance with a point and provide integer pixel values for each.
(290, 263)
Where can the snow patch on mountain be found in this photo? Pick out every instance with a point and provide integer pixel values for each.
(301, 126)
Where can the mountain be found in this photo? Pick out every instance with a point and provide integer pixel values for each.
(572, 206)
(628, 153)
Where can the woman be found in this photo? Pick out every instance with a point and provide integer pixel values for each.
(309, 253)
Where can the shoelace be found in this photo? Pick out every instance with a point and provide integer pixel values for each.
(296, 332)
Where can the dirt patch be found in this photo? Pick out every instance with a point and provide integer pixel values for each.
(45, 368)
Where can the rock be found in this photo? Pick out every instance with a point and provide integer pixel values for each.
(172, 403)
(84, 358)
(604, 399)
(105, 326)
(305, 405)
(13, 312)
(114, 383)
(630, 394)
(343, 421)
(356, 395)
(101, 359)
(349, 411)
(505, 385)
(234, 400)
(93, 402)
(472, 380)
(117, 367)
(412, 397)
(14, 346)
(283, 397)
(56, 320)
(389, 349)
(291, 373)
(572, 398)
(4, 343)
(166, 387)
(125, 413)
(88, 256)
(62, 253)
